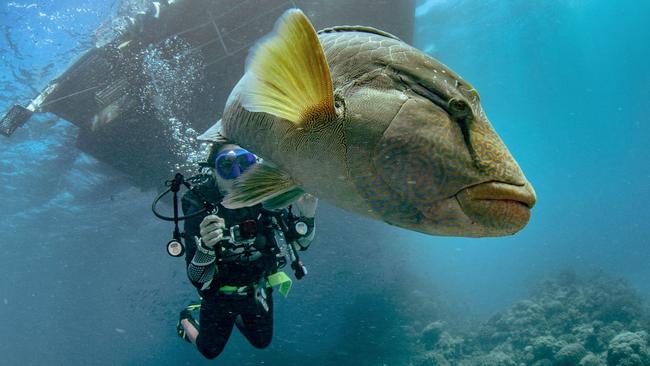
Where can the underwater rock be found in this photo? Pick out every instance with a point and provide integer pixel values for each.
(629, 349)
(495, 358)
(441, 345)
(592, 360)
(544, 347)
(450, 346)
(587, 320)
(544, 362)
(589, 336)
(431, 333)
(570, 355)
(433, 359)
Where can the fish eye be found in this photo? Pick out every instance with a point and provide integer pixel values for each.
(459, 108)
(339, 104)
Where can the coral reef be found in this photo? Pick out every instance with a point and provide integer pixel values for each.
(570, 320)
(629, 349)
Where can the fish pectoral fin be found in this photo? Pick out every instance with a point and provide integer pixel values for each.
(283, 199)
(287, 74)
(264, 184)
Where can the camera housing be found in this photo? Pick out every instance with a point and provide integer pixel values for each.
(244, 232)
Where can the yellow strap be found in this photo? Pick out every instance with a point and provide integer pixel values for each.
(280, 279)
(231, 289)
(193, 306)
(277, 279)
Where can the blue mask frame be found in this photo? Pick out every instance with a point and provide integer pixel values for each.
(230, 164)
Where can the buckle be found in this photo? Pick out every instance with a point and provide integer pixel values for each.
(234, 290)
(260, 295)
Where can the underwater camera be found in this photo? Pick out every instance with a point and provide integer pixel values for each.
(238, 235)
(245, 231)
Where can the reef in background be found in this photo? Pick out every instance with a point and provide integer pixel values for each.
(591, 320)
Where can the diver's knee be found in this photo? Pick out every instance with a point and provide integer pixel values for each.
(262, 343)
(210, 352)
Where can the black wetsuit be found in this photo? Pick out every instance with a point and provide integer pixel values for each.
(219, 310)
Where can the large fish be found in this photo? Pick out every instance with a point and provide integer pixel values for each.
(355, 116)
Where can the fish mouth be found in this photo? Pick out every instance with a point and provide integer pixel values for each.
(500, 208)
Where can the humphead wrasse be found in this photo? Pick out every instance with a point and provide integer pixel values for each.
(356, 117)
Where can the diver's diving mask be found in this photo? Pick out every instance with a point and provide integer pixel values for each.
(231, 163)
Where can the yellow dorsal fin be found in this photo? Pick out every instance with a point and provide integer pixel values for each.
(287, 73)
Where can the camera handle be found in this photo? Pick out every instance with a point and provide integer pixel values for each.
(175, 247)
(300, 270)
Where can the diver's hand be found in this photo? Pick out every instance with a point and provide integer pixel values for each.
(307, 205)
(212, 230)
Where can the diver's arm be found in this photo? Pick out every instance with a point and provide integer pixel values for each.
(307, 207)
(202, 269)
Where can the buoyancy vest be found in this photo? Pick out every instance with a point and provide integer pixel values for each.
(233, 270)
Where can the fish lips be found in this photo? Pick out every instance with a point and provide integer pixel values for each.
(498, 207)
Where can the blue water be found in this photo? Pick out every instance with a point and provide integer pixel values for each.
(565, 84)
(85, 279)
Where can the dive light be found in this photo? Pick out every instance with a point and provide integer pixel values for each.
(175, 248)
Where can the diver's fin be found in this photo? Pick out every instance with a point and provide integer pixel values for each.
(262, 184)
(287, 73)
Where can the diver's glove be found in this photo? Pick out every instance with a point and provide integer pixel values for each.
(307, 205)
(211, 231)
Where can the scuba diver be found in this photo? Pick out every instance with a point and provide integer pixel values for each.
(234, 257)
